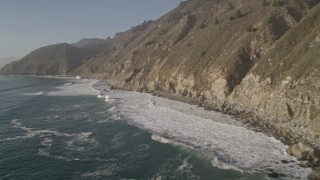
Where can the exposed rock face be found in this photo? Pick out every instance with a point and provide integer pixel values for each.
(315, 175)
(203, 50)
(304, 152)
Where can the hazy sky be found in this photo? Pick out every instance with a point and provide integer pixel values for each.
(29, 24)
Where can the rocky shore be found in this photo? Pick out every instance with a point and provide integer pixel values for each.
(300, 145)
(286, 133)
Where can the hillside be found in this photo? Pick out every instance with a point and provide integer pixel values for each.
(258, 60)
(89, 42)
(4, 61)
(50, 60)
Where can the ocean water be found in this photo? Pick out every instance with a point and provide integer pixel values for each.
(62, 128)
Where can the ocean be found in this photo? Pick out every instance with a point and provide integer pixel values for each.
(63, 128)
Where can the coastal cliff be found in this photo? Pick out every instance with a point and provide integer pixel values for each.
(257, 60)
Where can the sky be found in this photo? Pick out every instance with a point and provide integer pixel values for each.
(29, 24)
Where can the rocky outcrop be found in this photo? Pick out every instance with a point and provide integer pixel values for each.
(315, 175)
(304, 152)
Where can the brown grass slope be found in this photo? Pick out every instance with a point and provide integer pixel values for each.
(241, 54)
(199, 39)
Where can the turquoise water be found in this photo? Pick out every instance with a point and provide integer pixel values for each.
(74, 137)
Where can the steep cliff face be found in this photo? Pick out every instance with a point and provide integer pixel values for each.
(251, 58)
(256, 58)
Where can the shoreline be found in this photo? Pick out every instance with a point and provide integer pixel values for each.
(287, 135)
(249, 118)
(257, 127)
(248, 126)
(256, 123)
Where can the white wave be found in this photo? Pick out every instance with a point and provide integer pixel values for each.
(112, 110)
(33, 94)
(83, 87)
(82, 138)
(78, 77)
(115, 117)
(229, 143)
(215, 162)
(55, 77)
(45, 152)
(107, 98)
(118, 140)
(67, 84)
(143, 147)
(184, 164)
(114, 113)
(160, 139)
(30, 132)
(107, 171)
(47, 142)
(100, 96)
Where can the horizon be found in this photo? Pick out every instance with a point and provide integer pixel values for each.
(28, 25)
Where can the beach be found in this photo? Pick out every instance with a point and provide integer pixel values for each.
(229, 142)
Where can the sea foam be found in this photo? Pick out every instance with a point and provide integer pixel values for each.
(229, 143)
(100, 96)
(34, 94)
(47, 142)
(75, 88)
(107, 98)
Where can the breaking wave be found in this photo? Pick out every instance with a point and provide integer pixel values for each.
(33, 94)
(76, 88)
(77, 142)
(230, 144)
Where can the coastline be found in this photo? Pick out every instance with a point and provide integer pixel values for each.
(256, 123)
(285, 134)
(260, 122)
(104, 85)
(109, 86)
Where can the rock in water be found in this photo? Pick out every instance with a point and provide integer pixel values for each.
(315, 175)
(301, 151)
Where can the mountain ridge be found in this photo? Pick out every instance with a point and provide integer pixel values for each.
(7, 60)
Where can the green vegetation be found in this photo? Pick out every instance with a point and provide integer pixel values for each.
(142, 26)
